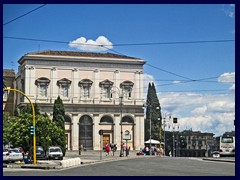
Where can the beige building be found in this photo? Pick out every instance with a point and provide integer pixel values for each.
(92, 87)
(9, 96)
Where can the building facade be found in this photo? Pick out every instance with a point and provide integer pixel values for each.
(100, 91)
(197, 144)
(9, 96)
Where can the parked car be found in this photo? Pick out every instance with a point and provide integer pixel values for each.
(15, 155)
(5, 155)
(40, 153)
(216, 154)
(54, 152)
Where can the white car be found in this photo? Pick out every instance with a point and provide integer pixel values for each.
(216, 154)
(6, 155)
(15, 155)
(54, 152)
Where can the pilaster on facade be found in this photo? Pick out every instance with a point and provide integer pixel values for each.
(75, 85)
(75, 131)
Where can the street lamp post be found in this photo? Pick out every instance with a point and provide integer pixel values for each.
(148, 104)
(120, 95)
(164, 125)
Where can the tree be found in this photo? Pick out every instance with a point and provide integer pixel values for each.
(16, 111)
(16, 131)
(58, 118)
(153, 111)
(37, 109)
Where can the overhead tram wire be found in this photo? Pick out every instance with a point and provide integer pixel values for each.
(24, 14)
(104, 46)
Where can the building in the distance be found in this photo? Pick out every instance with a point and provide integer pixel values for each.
(9, 96)
(197, 143)
(92, 87)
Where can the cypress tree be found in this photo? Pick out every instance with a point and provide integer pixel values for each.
(155, 110)
(58, 118)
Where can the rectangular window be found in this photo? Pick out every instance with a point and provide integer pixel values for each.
(85, 92)
(106, 92)
(64, 90)
(43, 90)
(127, 92)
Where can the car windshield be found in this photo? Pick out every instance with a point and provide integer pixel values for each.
(55, 150)
(14, 151)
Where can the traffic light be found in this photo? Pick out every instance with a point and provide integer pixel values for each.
(32, 130)
(174, 120)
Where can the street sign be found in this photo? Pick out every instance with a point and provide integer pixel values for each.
(100, 132)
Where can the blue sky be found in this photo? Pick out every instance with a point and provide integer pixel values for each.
(206, 106)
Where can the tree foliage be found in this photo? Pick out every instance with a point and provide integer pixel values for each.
(153, 112)
(58, 118)
(16, 132)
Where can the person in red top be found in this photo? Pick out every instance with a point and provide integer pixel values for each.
(107, 149)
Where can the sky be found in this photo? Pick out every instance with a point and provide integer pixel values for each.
(189, 50)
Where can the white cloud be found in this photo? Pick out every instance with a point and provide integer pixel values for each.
(227, 78)
(212, 113)
(90, 45)
(147, 78)
(230, 10)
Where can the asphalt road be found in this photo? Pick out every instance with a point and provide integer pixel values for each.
(145, 166)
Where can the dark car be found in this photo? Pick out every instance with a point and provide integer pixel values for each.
(40, 153)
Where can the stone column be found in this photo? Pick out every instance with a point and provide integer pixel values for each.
(27, 82)
(75, 91)
(141, 85)
(139, 132)
(75, 131)
(96, 80)
(53, 85)
(96, 128)
(136, 86)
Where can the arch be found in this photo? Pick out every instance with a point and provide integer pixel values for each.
(67, 119)
(64, 81)
(86, 132)
(127, 120)
(106, 119)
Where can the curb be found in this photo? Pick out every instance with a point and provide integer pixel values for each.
(219, 160)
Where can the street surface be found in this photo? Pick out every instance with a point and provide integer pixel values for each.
(144, 166)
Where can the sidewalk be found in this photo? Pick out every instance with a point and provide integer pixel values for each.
(86, 157)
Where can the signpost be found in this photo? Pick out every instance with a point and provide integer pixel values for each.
(100, 132)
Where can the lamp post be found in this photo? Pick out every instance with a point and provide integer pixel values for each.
(148, 104)
(120, 95)
(164, 125)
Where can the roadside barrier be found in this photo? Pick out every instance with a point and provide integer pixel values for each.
(70, 162)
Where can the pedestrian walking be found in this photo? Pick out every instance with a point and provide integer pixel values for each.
(80, 148)
(107, 149)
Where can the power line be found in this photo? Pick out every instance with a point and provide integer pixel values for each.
(104, 46)
(24, 14)
(176, 42)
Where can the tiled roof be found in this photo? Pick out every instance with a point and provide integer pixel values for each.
(8, 73)
(77, 53)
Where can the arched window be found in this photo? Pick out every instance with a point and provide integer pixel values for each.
(67, 119)
(64, 85)
(106, 120)
(85, 87)
(127, 120)
(86, 132)
(42, 84)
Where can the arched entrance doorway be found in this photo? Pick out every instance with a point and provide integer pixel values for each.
(106, 123)
(68, 132)
(86, 132)
(128, 123)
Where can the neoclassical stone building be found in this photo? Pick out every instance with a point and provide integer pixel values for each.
(92, 87)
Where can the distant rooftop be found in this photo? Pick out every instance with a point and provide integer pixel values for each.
(8, 73)
(77, 53)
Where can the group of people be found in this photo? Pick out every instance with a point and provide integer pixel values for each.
(113, 147)
(109, 148)
(153, 151)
